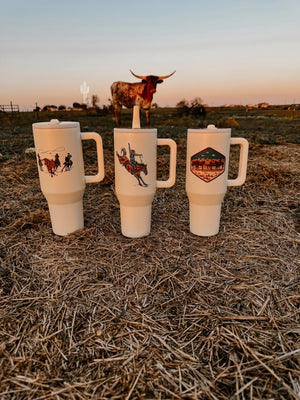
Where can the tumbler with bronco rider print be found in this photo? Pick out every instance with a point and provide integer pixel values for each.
(135, 152)
(207, 175)
(61, 171)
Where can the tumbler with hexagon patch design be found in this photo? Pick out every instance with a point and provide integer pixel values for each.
(207, 180)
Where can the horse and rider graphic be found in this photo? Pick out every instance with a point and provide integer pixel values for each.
(132, 166)
(68, 163)
(52, 165)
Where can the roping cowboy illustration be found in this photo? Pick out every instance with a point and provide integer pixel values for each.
(56, 161)
(68, 163)
(40, 162)
(53, 164)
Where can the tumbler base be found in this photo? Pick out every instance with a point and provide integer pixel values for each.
(135, 221)
(66, 218)
(205, 220)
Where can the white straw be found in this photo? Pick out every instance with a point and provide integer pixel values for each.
(136, 117)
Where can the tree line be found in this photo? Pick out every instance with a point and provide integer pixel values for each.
(184, 107)
(78, 106)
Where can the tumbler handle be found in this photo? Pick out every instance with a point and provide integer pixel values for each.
(99, 146)
(244, 145)
(173, 150)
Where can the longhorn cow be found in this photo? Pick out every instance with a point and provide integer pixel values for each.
(135, 94)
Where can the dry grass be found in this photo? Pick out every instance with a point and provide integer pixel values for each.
(95, 315)
(227, 123)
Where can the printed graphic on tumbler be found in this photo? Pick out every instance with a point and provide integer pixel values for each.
(208, 164)
(52, 164)
(134, 167)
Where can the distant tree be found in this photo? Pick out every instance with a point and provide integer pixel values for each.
(62, 108)
(194, 108)
(37, 108)
(95, 100)
(48, 107)
(196, 102)
(110, 106)
(197, 109)
(154, 105)
(182, 103)
(183, 108)
(80, 106)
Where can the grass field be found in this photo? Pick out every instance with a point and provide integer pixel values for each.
(95, 315)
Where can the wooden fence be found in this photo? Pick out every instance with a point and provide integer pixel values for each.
(9, 108)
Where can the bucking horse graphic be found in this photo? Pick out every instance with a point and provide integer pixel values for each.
(132, 166)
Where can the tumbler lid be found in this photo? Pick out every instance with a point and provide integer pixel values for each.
(210, 129)
(136, 131)
(55, 124)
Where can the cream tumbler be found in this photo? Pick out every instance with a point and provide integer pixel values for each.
(207, 175)
(61, 171)
(135, 176)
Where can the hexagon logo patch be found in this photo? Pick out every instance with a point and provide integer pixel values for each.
(208, 164)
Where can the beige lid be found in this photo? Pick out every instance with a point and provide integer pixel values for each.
(210, 129)
(55, 124)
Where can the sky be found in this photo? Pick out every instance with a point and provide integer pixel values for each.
(223, 51)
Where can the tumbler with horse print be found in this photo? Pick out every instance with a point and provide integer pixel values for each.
(135, 175)
(61, 171)
(207, 175)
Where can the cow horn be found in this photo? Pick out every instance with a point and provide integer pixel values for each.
(138, 76)
(167, 76)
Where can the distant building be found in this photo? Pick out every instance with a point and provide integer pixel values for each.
(263, 105)
(259, 105)
(250, 106)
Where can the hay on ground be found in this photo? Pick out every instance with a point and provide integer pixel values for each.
(95, 315)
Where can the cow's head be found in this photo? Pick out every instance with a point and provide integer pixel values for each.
(152, 80)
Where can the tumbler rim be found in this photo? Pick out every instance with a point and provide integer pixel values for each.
(209, 129)
(135, 130)
(56, 125)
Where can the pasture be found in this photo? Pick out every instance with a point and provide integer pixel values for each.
(95, 315)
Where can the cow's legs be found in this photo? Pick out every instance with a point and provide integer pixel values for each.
(147, 112)
(117, 113)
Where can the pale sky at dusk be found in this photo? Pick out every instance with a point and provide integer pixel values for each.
(225, 52)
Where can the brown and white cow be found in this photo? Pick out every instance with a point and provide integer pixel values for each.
(135, 94)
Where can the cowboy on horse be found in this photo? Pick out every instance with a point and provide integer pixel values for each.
(68, 163)
(132, 155)
(132, 166)
(56, 162)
